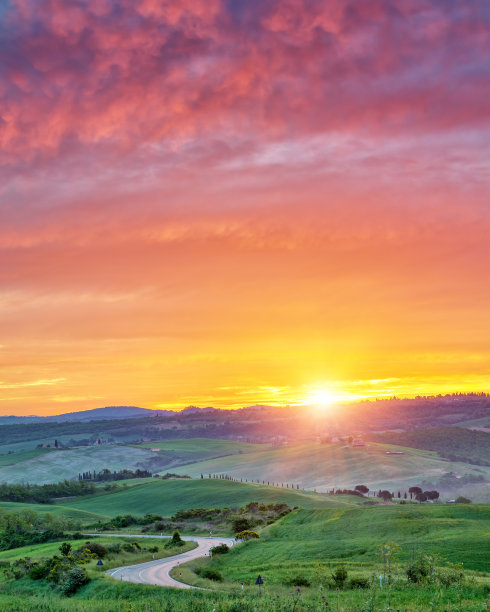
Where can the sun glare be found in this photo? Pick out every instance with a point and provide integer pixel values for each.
(322, 398)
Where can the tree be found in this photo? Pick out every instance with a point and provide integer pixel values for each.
(65, 549)
(421, 497)
(362, 489)
(463, 500)
(386, 495)
(432, 494)
(414, 491)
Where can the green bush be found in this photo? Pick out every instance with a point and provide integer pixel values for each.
(74, 578)
(420, 570)
(339, 576)
(220, 550)
(298, 580)
(95, 548)
(359, 583)
(176, 540)
(209, 574)
(463, 500)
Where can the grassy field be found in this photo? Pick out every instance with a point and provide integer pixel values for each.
(311, 465)
(55, 465)
(200, 449)
(50, 465)
(84, 516)
(167, 496)
(309, 543)
(337, 465)
(351, 535)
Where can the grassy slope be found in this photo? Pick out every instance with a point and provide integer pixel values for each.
(351, 535)
(168, 496)
(200, 449)
(336, 465)
(38, 551)
(49, 465)
(53, 466)
(54, 509)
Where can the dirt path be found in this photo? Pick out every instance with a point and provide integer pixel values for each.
(158, 572)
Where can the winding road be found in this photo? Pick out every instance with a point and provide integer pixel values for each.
(158, 572)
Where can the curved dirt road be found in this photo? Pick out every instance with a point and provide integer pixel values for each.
(157, 572)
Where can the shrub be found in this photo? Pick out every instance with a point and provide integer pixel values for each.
(75, 578)
(95, 548)
(359, 583)
(220, 550)
(176, 540)
(241, 523)
(247, 535)
(38, 571)
(298, 580)
(339, 576)
(463, 500)
(209, 574)
(420, 570)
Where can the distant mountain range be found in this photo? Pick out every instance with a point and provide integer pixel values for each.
(110, 413)
(97, 414)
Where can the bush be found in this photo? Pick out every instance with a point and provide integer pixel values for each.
(75, 578)
(339, 576)
(220, 550)
(297, 581)
(463, 500)
(247, 535)
(95, 548)
(420, 570)
(241, 524)
(209, 574)
(176, 540)
(359, 583)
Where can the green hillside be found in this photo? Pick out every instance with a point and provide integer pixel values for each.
(351, 535)
(167, 496)
(200, 449)
(52, 465)
(325, 466)
(83, 516)
(454, 443)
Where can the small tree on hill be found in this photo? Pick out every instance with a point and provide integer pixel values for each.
(362, 489)
(385, 495)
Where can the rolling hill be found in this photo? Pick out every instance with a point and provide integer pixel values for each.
(168, 496)
(327, 466)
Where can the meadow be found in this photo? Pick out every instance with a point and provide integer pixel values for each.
(327, 466)
(309, 544)
(165, 497)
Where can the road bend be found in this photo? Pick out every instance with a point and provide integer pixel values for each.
(158, 572)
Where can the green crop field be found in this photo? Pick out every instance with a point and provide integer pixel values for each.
(336, 465)
(167, 496)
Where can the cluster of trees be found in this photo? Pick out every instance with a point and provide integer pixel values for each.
(44, 494)
(27, 527)
(106, 475)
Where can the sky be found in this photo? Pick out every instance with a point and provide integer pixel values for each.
(223, 202)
